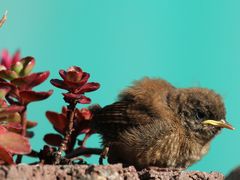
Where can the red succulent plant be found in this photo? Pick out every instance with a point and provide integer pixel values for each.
(16, 75)
(16, 84)
(14, 67)
(75, 82)
(16, 92)
(7, 61)
(72, 121)
(60, 123)
(11, 142)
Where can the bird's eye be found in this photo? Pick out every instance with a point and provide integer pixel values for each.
(200, 115)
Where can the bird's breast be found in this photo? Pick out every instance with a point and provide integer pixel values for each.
(173, 150)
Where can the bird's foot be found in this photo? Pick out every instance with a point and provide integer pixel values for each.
(103, 154)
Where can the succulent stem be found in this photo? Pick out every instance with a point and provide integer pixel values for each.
(70, 115)
(24, 121)
(24, 128)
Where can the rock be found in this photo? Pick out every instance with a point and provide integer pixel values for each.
(99, 172)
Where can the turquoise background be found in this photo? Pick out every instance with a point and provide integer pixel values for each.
(188, 42)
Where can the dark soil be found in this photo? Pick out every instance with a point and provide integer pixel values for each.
(98, 172)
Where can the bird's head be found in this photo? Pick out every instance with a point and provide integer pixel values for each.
(201, 111)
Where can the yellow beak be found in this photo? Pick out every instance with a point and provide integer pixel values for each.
(222, 123)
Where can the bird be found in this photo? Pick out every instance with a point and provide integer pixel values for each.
(154, 123)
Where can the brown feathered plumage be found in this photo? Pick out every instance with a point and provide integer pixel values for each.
(156, 124)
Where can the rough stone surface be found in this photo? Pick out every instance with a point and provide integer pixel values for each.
(98, 172)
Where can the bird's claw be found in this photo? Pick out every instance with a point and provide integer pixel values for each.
(103, 155)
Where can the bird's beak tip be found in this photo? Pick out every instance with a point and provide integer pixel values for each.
(221, 123)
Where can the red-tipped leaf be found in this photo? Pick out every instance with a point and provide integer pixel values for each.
(15, 143)
(3, 130)
(13, 117)
(8, 74)
(9, 110)
(70, 97)
(87, 88)
(28, 64)
(30, 81)
(13, 127)
(59, 84)
(30, 134)
(6, 59)
(16, 57)
(14, 91)
(6, 156)
(78, 84)
(53, 139)
(17, 67)
(31, 96)
(74, 76)
(85, 113)
(4, 90)
(85, 78)
(58, 121)
(31, 124)
(84, 100)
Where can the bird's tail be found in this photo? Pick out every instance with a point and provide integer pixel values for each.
(95, 108)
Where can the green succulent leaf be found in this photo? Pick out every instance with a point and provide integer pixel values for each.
(8, 74)
(17, 67)
(14, 117)
(28, 64)
(4, 91)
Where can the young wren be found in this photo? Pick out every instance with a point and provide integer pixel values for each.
(155, 124)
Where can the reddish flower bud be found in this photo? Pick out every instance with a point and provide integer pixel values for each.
(8, 61)
(75, 81)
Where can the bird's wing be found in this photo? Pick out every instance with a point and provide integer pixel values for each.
(120, 116)
(125, 113)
